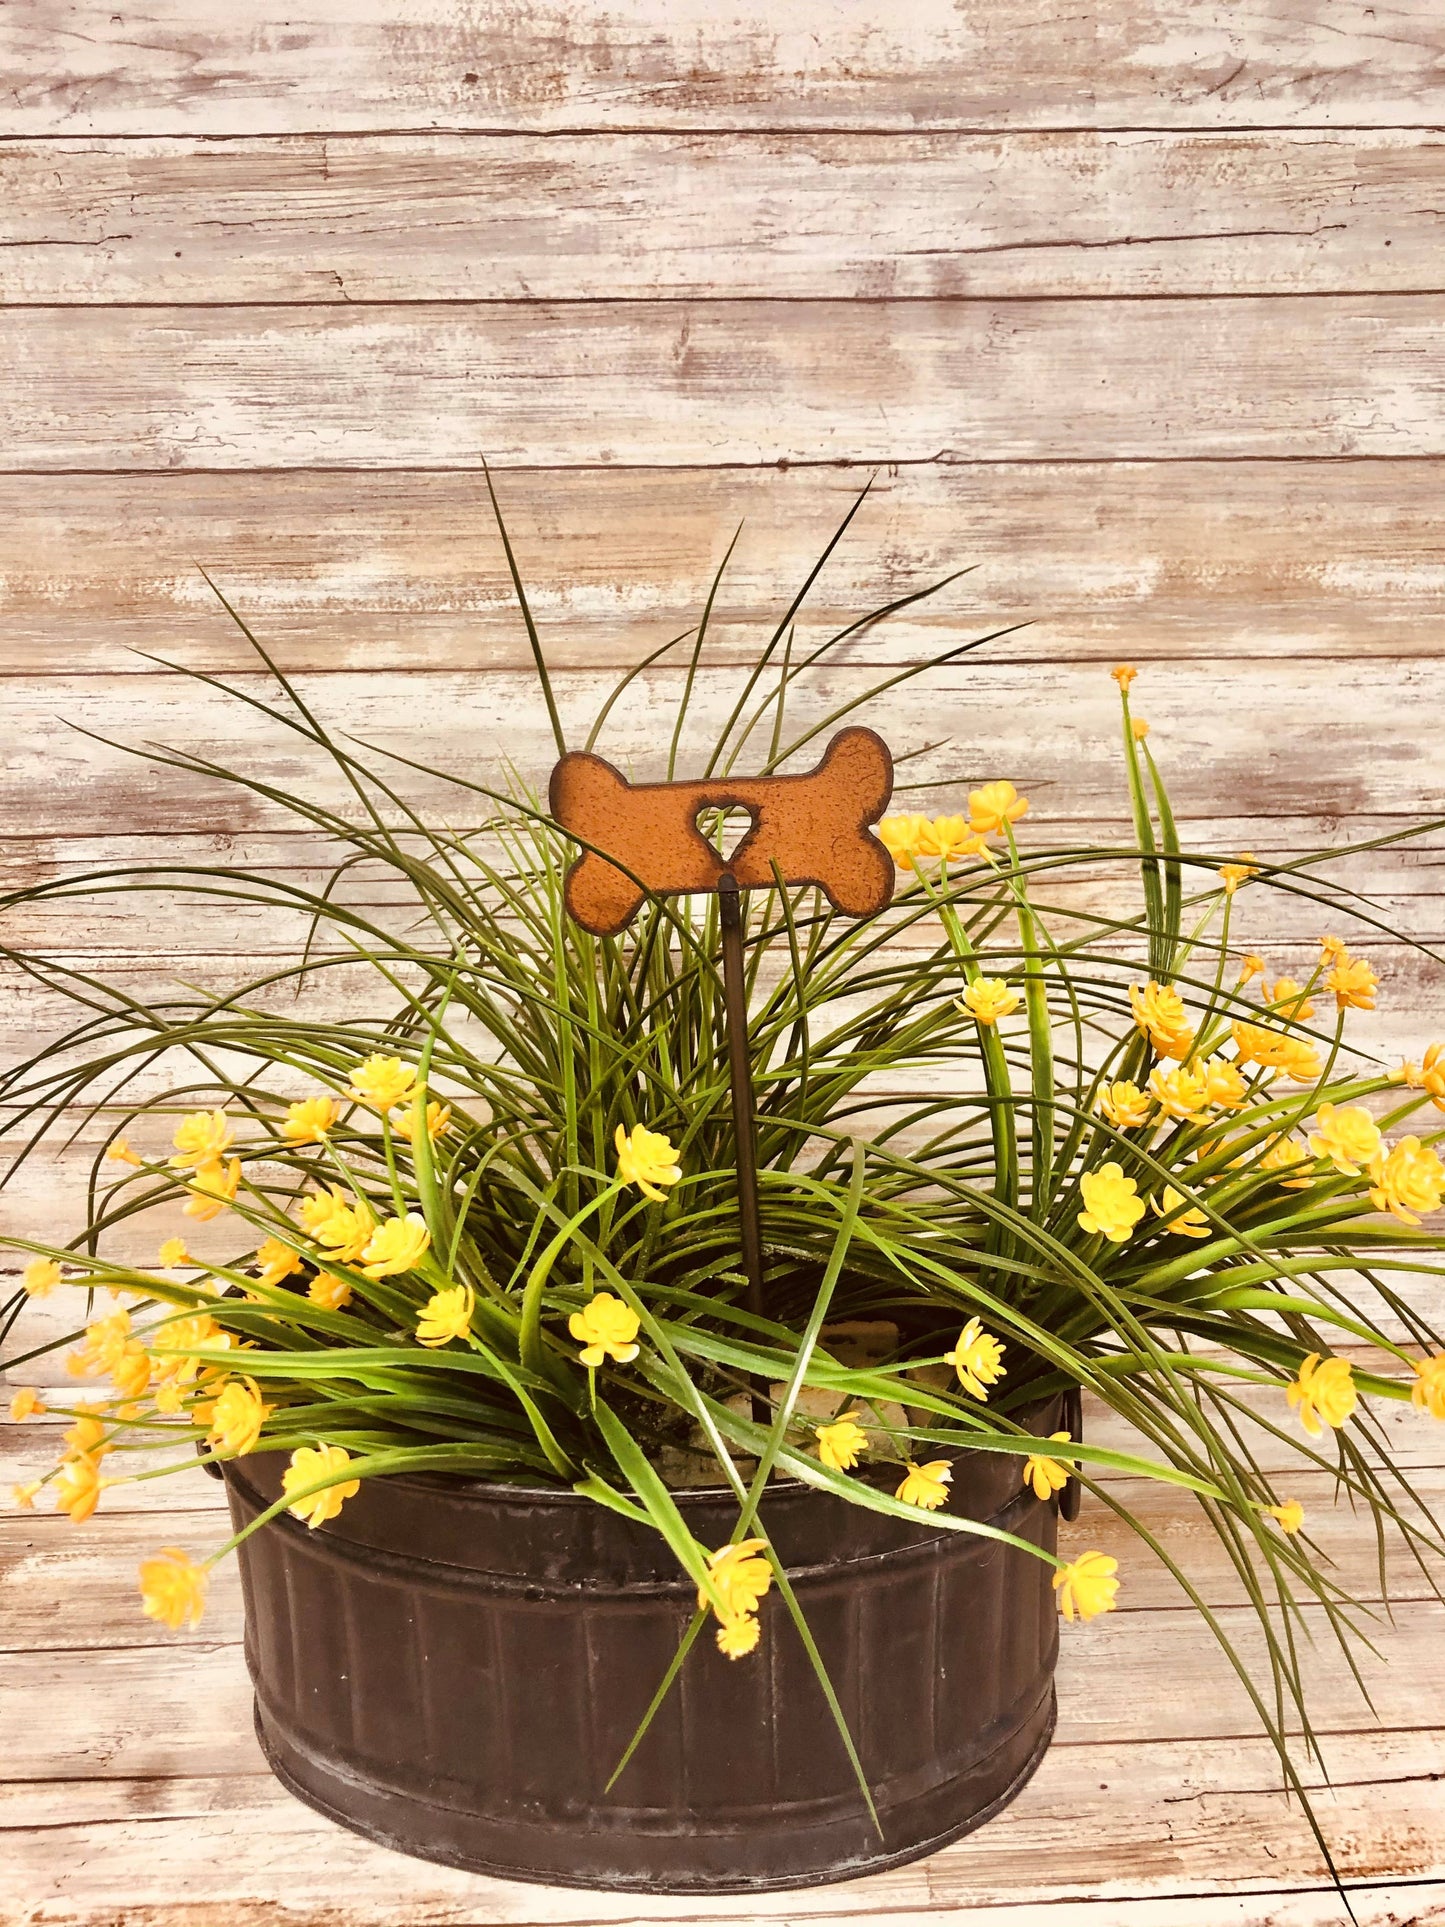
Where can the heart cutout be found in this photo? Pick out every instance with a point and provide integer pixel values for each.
(726, 829)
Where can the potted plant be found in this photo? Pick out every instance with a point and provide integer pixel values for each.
(560, 1558)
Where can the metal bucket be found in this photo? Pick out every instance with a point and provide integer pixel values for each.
(455, 1669)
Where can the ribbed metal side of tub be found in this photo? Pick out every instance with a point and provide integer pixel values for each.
(456, 1669)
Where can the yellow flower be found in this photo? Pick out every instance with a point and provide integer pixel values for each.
(978, 1359)
(1290, 1515)
(41, 1276)
(646, 1158)
(172, 1590)
(1179, 1093)
(78, 1488)
(1087, 1586)
(1323, 1391)
(1112, 1206)
(993, 807)
(180, 1336)
(1249, 967)
(1427, 1394)
(740, 1578)
(1231, 875)
(344, 1225)
(131, 1373)
(24, 1495)
(278, 1262)
(1124, 674)
(381, 1082)
(1353, 982)
(25, 1404)
(310, 1463)
(121, 1153)
(1224, 1087)
(947, 837)
(842, 1443)
(606, 1328)
(1298, 1059)
(1191, 1224)
(104, 1346)
(86, 1437)
(926, 1485)
(1138, 728)
(172, 1253)
(1432, 1075)
(989, 999)
(396, 1246)
(332, 1294)
(1285, 1155)
(900, 836)
(202, 1139)
(213, 1190)
(1276, 1050)
(446, 1315)
(1159, 1012)
(438, 1121)
(1407, 1180)
(1047, 1476)
(1289, 999)
(308, 1121)
(738, 1637)
(1348, 1137)
(237, 1416)
(1124, 1105)
(1332, 949)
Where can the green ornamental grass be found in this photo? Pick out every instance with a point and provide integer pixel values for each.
(462, 1179)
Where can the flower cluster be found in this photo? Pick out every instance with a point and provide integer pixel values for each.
(914, 840)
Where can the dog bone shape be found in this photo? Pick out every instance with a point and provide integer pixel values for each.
(805, 829)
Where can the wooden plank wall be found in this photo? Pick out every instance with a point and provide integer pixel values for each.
(1139, 312)
(1137, 309)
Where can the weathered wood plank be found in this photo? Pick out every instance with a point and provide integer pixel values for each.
(1396, 877)
(648, 383)
(68, 1588)
(1104, 1823)
(448, 217)
(371, 570)
(337, 65)
(1403, 895)
(1052, 728)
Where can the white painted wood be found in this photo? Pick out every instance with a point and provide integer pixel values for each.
(335, 65)
(1106, 1823)
(720, 381)
(378, 572)
(1052, 728)
(647, 324)
(628, 216)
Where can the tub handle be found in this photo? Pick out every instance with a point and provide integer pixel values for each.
(1073, 1416)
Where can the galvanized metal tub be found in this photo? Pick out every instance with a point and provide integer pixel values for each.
(455, 1669)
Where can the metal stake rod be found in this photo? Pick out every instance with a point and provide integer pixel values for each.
(735, 1002)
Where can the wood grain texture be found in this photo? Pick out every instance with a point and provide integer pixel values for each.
(379, 572)
(1053, 728)
(1111, 1823)
(637, 216)
(175, 66)
(1139, 309)
(643, 383)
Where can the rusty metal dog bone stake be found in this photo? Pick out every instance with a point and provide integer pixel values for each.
(805, 829)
